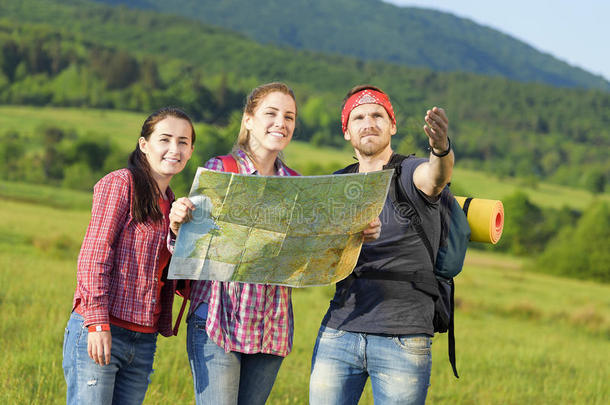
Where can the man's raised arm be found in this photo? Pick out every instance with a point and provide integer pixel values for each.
(431, 177)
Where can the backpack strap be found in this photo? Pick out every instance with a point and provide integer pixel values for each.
(412, 215)
(184, 290)
(292, 172)
(451, 335)
(229, 163)
(466, 205)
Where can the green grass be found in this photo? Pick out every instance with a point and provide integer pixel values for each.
(45, 195)
(521, 337)
(120, 126)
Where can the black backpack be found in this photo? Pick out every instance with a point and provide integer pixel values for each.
(455, 234)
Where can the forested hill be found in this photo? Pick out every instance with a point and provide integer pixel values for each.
(373, 30)
(82, 53)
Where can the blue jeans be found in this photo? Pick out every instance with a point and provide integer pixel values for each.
(123, 381)
(222, 378)
(399, 367)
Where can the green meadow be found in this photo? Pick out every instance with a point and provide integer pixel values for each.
(521, 337)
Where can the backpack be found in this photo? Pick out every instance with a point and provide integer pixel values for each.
(455, 234)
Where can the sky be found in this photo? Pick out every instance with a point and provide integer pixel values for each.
(574, 31)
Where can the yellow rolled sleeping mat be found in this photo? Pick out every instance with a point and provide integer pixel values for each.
(485, 217)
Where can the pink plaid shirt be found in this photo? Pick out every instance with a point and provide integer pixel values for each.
(246, 318)
(118, 262)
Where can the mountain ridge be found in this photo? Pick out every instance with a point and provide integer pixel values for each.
(420, 37)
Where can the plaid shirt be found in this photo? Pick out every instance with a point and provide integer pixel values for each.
(118, 262)
(246, 318)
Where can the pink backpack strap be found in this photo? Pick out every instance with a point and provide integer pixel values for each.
(229, 164)
(292, 172)
(185, 292)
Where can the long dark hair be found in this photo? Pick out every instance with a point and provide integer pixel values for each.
(146, 194)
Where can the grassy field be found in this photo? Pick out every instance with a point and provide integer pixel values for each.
(120, 126)
(521, 337)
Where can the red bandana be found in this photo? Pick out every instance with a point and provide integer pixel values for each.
(367, 96)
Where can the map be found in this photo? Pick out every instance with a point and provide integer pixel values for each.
(295, 231)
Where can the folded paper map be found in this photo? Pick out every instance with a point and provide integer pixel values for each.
(294, 231)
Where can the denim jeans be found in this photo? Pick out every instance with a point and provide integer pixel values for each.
(123, 381)
(399, 367)
(222, 378)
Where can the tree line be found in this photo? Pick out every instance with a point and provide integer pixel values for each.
(43, 67)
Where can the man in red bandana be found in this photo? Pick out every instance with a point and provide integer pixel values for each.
(376, 326)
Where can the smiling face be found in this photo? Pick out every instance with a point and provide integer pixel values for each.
(168, 148)
(369, 129)
(272, 123)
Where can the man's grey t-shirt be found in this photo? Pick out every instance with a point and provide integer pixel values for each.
(391, 307)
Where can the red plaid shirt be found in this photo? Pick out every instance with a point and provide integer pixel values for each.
(246, 318)
(118, 262)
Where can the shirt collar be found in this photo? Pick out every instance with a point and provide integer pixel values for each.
(248, 166)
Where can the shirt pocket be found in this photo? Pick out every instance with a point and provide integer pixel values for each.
(145, 228)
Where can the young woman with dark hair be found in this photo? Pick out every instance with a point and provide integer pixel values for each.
(123, 299)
